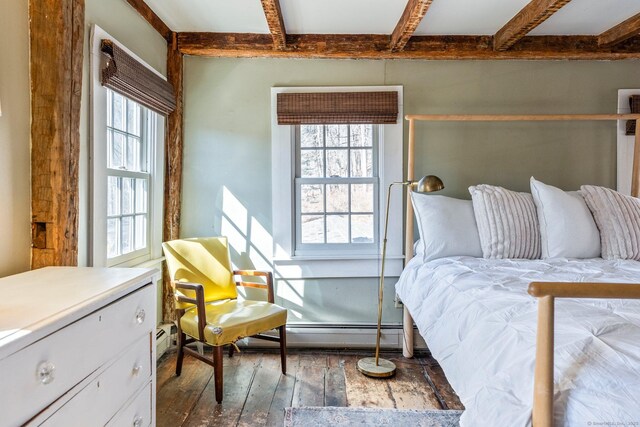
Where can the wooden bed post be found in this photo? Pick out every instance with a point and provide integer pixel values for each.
(543, 382)
(407, 320)
(635, 174)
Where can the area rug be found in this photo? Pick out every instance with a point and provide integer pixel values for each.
(337, 416)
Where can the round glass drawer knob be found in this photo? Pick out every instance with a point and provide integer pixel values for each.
(137, 422)
(140, 314)
(46, 372)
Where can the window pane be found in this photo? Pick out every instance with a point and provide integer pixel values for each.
(113, 231)
(312, 163)
(127, 234)
(337, 135)
(361, 228)
(117, 150)
(133, 117)
(127, 195)
(362, 198)
(141, 231)
(113, 196)
(311, 198)
(337, 229)
(338, 198)
(362, 162)
(337, 163)
(133, 154)
(311, 135)
(141, 196)
(312, 229)
(119, 112)
(361, 135)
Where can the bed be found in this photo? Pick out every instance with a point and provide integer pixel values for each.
(491, 323)
(480, 325)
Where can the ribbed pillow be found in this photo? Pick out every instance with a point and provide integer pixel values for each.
(507, 222)
(618, 219)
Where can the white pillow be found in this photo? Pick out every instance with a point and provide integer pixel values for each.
(447, 227)
(618, 219)
(507, 222)
(567, 228)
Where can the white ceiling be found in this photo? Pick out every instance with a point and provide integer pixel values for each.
(444, 17)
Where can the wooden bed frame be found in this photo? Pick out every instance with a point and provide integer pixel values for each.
(546, 292)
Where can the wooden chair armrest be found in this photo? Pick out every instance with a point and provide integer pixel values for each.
(268, 286)
(547, 292)
(198, 302)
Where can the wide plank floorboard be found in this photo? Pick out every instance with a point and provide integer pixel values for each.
(256, 392)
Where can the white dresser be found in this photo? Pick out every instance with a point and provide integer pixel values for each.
(77, 347)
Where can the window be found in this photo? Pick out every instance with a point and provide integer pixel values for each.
(127, 172)
(131, 129)
(328, 193)
(336, 188)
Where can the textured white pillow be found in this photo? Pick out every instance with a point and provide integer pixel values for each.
(447, 227)
(567, 228)
(618, 218)
(507, 222)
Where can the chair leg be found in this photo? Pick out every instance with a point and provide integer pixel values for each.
(283, 348)
(181, 339)
(217, 371)
(231, 349)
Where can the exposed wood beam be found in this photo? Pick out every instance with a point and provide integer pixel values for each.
(56, 31)
(621, 32)
(409, 21)
(174, 143)
(373, 46)
(532, 15)
(154, 20)
(276, 24)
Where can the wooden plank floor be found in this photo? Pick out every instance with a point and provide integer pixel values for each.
(255, 392)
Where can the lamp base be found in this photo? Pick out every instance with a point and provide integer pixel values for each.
(384, 369)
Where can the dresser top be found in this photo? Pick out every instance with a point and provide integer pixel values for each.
(39, 302)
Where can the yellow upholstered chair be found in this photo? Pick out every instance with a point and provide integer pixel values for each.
(207, 305)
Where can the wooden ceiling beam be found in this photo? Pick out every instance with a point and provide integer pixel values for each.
(532, 15)
(276, 24)
(409, 21)
(621, 32)
(150, 16)
(373, 46)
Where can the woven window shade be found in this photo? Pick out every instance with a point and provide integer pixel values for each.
(634, 103)
(337, 108)
(127, 76)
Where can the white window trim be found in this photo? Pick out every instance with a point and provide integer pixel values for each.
(98, 175)
(290, 266)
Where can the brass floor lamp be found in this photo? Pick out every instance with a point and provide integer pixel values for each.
(376, 366)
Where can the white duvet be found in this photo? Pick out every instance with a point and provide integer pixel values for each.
(480, 325)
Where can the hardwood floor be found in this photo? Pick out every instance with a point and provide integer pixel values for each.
(255, 391)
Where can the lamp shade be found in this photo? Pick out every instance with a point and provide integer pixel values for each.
(428, 184)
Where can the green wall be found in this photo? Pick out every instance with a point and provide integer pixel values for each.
(228, 144)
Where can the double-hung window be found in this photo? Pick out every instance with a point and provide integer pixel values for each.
(131, 132)
(334, 152)
(336, 188)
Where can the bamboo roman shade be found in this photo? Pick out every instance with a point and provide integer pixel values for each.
(338, 108)
(125, 75)
(634, 103)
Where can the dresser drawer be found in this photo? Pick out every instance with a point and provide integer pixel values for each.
(37, 375)
(137, 413)
(110, 391)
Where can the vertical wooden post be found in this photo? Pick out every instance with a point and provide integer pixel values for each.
(543, 381)
(56, 31)
(407, 321)
(173, 166)
(635, 174)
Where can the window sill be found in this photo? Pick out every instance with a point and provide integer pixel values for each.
(336, 266)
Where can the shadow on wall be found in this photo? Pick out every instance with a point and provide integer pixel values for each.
(251, 247)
